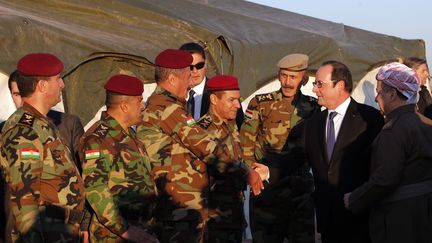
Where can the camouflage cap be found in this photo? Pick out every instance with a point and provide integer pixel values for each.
(294, 62)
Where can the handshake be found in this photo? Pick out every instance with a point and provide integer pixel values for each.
(255, 175)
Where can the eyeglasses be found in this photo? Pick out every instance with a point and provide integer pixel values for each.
(198, 66)
(319, 83)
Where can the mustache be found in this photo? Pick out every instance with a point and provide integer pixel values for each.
(288, 86)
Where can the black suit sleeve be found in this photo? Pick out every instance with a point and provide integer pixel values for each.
(389, 159)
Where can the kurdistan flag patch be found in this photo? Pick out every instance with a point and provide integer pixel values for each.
(29, 153)
(248, 114)
(190, 121)
(92, 154)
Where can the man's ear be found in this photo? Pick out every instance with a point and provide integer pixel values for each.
(124, 106)
(42, 86)
(171, 80)
(393, 94)
(341, 84)
(213, 99)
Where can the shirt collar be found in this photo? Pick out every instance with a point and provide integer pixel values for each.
(342, 108)
(199, 89)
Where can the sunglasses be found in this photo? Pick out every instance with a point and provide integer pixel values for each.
(198, 66)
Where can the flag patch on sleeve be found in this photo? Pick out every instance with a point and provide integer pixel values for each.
(190, 121)
(92, 154)
(29, 153)
(248, 114)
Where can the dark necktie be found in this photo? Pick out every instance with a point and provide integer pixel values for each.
(191, 102)
(331, 139)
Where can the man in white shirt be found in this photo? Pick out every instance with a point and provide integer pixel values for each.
(198, 79)
(199, 98)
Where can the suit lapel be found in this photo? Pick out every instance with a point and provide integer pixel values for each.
(349, 127)
(322, 134)
(205, 101)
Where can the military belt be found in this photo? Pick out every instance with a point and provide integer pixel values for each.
(68, 216)
(409, 191)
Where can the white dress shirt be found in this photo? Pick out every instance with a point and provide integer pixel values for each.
(337, 120)
(199, 90)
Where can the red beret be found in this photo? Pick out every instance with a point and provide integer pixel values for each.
(125, 85)
(222, 82)
(173, 58)
(40, 64)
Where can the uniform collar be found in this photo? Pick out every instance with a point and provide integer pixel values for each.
(30, 109)
(161, 91)
(219, 122)
(111, 122)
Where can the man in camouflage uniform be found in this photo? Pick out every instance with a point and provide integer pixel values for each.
(46, 190)
(179, 151)
(272, 135)
(227, 182)
(116, 169)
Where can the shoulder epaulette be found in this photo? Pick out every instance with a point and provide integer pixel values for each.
(205, 122)
(101, 131)
(27, 119)
(264, 97)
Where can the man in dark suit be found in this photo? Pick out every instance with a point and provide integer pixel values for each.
(339, 152)
(199, 95)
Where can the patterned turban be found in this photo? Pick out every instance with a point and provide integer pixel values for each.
(402, 78)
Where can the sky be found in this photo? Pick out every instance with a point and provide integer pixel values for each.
(403, 19)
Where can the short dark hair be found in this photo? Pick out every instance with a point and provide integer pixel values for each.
(13, 77)
(27, 84)
(414, 62)
(161, 73)
(113, 98)
(340, 72)
(192, 48)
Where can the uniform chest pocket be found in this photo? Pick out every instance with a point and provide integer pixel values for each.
(57, 158)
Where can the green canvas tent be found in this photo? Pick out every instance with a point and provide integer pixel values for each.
(99, 38)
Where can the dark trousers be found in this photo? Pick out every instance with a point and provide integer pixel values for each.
(346, 229)
(408, 220)
(284, 212)
(179, 232)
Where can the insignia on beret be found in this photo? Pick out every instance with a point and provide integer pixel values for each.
(204, 122)
(264, 97)
(92, 154)
(101, 131)
(27, 119)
